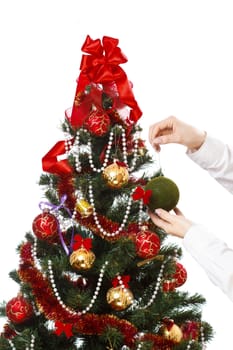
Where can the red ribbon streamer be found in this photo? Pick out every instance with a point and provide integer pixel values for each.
(79, 242)
(50, 162)
(140, 193)
(125, 279)
(63, 328)
(101, 66)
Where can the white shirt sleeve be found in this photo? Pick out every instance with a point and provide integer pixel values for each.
(210, 252)
(216, 157)
(213, 255)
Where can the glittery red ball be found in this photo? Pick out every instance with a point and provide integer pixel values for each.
(19, 310)
(98, 123)
(45, 226)
(180, 276)
(147, 244)
(177, 279)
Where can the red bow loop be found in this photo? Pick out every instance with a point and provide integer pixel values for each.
(140, 193)
(125, 281)
(51, 162)
(79, 242)
(65, 328)
(93, 47)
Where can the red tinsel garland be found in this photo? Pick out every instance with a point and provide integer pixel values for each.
(88, 324)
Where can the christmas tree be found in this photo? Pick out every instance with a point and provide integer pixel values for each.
(94, 271)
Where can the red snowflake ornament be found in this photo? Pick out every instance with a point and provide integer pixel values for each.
(19, 310)
(97, 123)
(45, 226)
(175, 280)
(147, 244)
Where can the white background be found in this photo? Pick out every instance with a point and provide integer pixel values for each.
(180, 60)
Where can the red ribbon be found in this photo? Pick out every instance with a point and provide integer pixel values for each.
(140, 193)
(121, 163)
(79, 242)
(50, 162)
(101, 66)
(63, 328)
(125, 279)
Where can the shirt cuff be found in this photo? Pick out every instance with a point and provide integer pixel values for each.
(210, 151)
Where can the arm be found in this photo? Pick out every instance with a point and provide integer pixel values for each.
(211, 154)
(217, 158)
(211, 253)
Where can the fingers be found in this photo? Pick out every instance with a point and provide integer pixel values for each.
(163, 214)
(162, 132)
(158, 221)
(157, 128)
(176, 225)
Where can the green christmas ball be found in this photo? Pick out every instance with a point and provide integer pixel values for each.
(165, 193)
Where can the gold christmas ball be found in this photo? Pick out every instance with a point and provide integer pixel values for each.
(84, 208)
(82, 259)
(174, 333)
(116, 175)
(165, 193)
(119, 298)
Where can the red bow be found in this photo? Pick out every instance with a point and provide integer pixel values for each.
(125, 279)
(101, 66)
(120, 163)
(140, 193)
(63, 328)
(50, 162)
(79, 242)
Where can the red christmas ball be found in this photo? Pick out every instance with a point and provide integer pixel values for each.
(45, 226)
(98, 123)
(177, 279)
(180, 276)
(19, 310)
(147, 244)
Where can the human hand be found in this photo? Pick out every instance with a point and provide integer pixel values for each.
(176, 225)
(173, 130)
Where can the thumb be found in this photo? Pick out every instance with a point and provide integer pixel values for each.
(163, 139)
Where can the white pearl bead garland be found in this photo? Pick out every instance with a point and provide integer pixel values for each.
(107, 153)
(100, 228)
(75, 150)
(66, 308)
(192, 341)
(136, 305)
(121, 283)
(34, 255)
